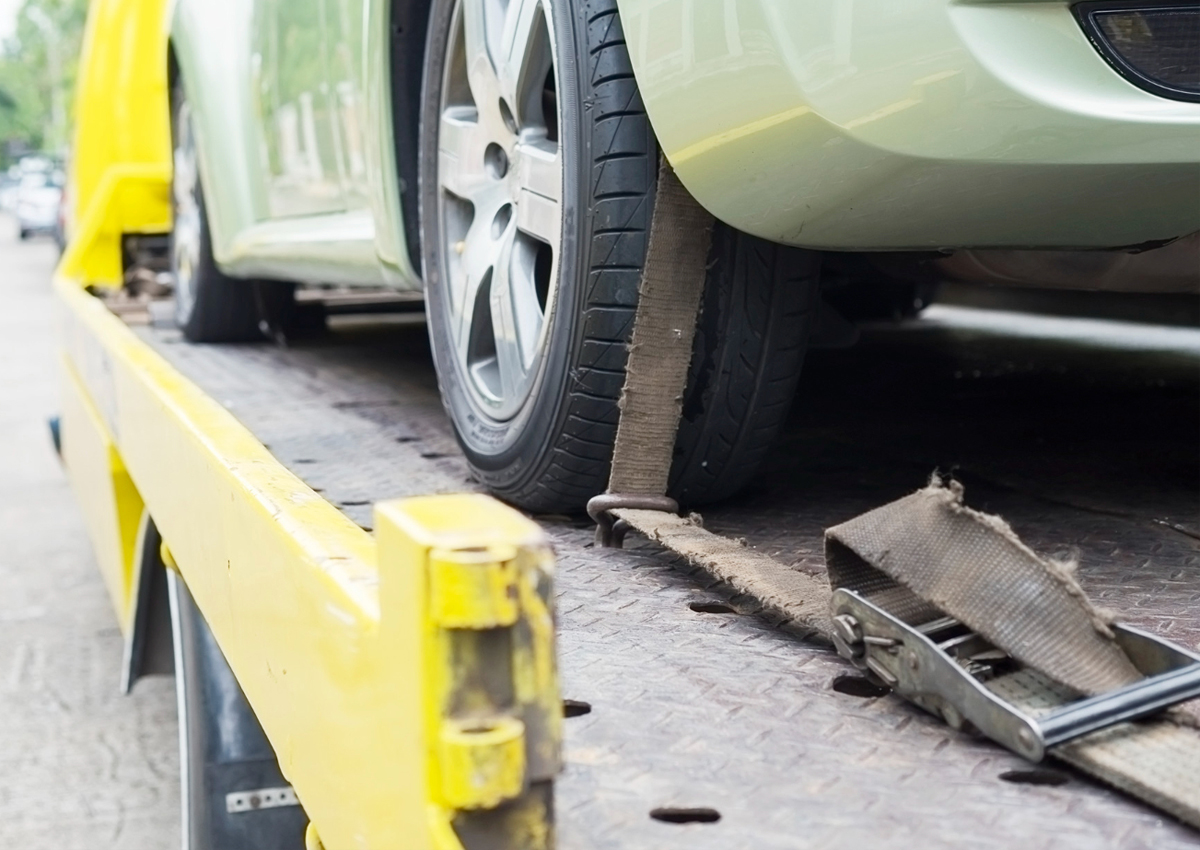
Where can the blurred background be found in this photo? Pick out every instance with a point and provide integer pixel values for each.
(39, 55)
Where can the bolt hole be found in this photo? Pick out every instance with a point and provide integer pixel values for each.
(432, 455)
(304, 460)
(353, 504)
(711, 608)
(500, 222)
(1036, 776)
(495, 160)
(858, 686)
(506, 116)
(576, 708)
(671, 814)
(407, 439)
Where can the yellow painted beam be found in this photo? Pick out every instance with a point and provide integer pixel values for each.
(101, 482)
(395, 716)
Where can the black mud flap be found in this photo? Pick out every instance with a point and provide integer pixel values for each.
(233, 793)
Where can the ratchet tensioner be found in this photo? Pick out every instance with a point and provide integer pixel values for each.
(944, 667)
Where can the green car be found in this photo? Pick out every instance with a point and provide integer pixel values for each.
(500, 157)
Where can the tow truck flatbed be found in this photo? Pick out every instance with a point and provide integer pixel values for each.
(697, 701)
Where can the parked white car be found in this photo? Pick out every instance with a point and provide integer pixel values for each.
(37, 203)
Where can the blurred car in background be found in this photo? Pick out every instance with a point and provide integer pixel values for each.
(38, 199)
(10, 182)
(62, 219)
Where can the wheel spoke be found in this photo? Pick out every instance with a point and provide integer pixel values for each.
(526, 308)
(480, 253)
(461, 142)
(540, 170)
(481, 74)
(524, 59)
(185, 181)
(517, 316)
(506, 325)
(540, 179)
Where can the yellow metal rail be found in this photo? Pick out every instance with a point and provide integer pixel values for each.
(364, 658)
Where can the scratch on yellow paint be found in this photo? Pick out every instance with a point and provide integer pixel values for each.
(883, 112)
(705, 145)
(907, 103)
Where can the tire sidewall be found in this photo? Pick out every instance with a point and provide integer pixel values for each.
(508, 454)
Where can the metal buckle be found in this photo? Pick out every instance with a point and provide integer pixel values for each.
(941, 665)
(610, 532)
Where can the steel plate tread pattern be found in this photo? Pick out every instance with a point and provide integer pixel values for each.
(695, 699)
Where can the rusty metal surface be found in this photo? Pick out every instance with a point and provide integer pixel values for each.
(1082, 445)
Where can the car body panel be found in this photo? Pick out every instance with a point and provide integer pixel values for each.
(849, 125)
(346, 30)
(872, 125)
(295, 110)
(291, 103)
(333, 248)
(391, 244)
(211, 43)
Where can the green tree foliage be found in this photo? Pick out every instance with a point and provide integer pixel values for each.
(28, 83)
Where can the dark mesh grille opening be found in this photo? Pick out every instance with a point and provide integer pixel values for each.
(1156, 47)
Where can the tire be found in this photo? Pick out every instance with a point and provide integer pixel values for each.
(222, 747)
(210, 306)
(550, 449)
(24, 234)
(760, 301)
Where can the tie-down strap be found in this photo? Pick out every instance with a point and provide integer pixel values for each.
(660, 348)
(1026, 641)
(953, 611)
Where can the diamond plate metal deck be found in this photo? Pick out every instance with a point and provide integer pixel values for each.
(1083, 446)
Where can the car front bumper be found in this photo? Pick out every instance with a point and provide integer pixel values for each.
(875, 125)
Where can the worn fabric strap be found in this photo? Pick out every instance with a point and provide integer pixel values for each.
(926, 552)
(801, 599)
(928, 548)
(660, 350)
(974, 568)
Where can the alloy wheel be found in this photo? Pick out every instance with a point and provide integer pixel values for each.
(185, 234)
(500, 195)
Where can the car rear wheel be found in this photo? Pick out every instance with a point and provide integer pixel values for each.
(537, 179)
(210, 306)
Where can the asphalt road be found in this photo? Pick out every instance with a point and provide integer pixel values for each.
(81, 766)
(1086, 435)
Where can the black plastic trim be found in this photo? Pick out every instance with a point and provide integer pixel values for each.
(1086, 13)
(409, 24)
